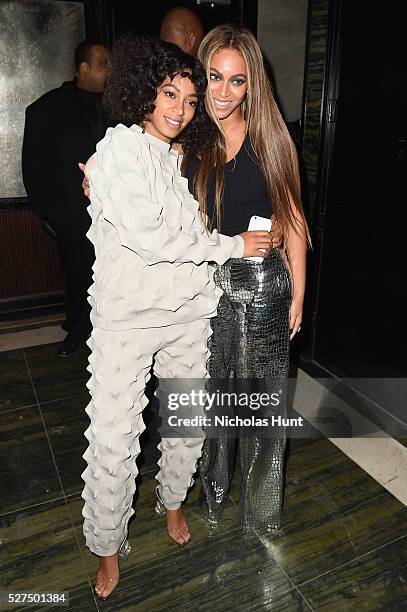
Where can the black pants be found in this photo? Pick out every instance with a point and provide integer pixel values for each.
(77, 258)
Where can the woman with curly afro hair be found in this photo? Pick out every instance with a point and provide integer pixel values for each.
(153, 294)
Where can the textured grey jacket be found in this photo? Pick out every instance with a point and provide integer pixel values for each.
(151, 248)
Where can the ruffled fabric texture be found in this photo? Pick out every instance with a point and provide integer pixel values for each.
(120, 367)
(152, 251)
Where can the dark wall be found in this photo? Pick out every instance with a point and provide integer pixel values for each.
(145, 17)
(360, 295)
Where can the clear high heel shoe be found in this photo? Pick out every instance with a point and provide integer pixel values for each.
(123, 554)
(159, 506)
(161, 511)
(124, 550)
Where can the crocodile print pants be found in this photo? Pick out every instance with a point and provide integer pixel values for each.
(250, 341)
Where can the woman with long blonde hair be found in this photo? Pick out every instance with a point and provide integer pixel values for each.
(251, 171)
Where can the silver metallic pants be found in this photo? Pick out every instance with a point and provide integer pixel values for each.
(250, 340)
(120, 366)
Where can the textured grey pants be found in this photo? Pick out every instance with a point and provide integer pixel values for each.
(250, 341)
(120, 365)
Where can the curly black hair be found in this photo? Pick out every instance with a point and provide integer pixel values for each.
(139, 66)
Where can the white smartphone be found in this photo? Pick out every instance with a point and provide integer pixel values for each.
(258, 223)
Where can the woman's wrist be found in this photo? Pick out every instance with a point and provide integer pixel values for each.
(298, 297)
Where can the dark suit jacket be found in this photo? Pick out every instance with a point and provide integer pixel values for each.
(61, 129)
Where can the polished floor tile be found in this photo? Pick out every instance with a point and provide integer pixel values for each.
(375, 581)
(358, 428)
(28, 475)
(222, 570)
(212, 572)
(16, 389)
(56, 377)
(223, 574)
(292, 601)
(31, 337)
(342, 545)
(65, 423)
(391, 474)
(40, 553)
(333, 513)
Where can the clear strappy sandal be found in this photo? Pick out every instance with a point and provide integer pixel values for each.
(124, 550)
(123, 554)
(161, 511)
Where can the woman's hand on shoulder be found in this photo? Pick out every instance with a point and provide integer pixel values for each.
(177, 146)
(85, 169)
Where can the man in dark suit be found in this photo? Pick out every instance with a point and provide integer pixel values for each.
(61, 129)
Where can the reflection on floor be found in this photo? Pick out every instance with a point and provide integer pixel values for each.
(343, 545)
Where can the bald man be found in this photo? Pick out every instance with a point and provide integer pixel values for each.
(182, 27)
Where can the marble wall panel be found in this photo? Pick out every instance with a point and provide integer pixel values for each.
(37, 42)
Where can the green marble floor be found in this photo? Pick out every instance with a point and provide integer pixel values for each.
(343, 545)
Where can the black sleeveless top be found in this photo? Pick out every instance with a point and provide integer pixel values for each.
(245, 192)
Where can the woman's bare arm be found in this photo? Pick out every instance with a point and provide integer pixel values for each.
(296, 247)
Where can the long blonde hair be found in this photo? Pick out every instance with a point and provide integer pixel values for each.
(268, 134)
